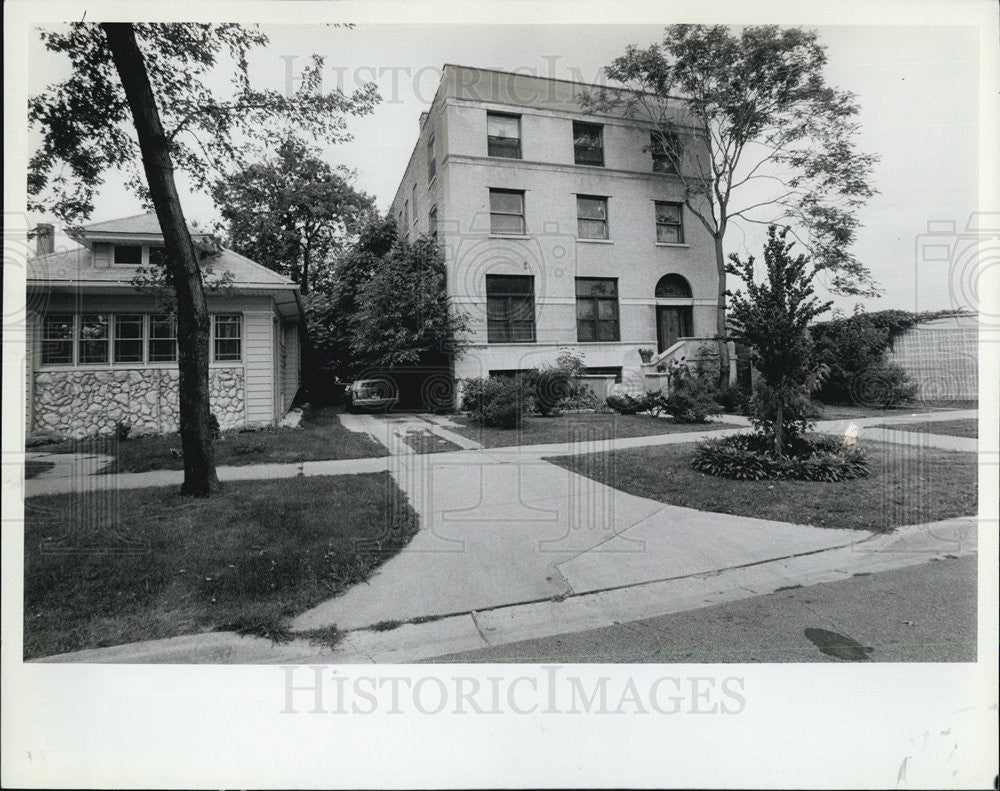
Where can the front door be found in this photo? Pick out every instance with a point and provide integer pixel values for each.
(672, 324)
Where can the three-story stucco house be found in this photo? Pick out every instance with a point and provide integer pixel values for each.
(560, 228)
(101, 350)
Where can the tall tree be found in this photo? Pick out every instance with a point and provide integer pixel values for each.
(772, 318)
(748, 126)
(140, 95)
(291, 211)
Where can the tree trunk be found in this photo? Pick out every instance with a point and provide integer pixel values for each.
(720, 311)
(779, 428)
(182, 263)
(304, 283)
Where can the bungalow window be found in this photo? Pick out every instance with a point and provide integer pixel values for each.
(596, 309)
(507, 212)
(591, 217)
(162, 339)
(588, 144)
(510, 309)
(228, 337)
(669, 223)
(130, 254)
(94, 338)
(128, 338)
(57, 339)
(503, 135)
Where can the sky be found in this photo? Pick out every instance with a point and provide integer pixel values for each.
(916, 86)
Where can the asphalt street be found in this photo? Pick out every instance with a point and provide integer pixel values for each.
(923, 613)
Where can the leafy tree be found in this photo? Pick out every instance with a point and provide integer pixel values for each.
(753, 133)
(138, 94)
(330, 309)
(291, 211)
(404, 315)
(772, 320)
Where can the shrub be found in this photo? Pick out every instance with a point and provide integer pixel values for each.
(691, 395)
(626, 404)
(499, 402)
(887, 385)
(122, 430)
(798, 411)
(552, 387)
(750, 457)
(734, 398)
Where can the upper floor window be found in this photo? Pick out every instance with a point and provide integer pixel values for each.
(588, 143)
(57, 339)
(669, 222)
(413, 200)
(406, 217)
(507, 212)
(665, 151)
(591, 217)
(431, 162)
(596, 309)
(228, 337)
(503, 135)
(432, 222)
(128, 254)
(510, 309)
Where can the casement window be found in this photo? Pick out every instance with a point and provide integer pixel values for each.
(431, 161)
(162, 339)
(128, 254)
(591, 217)
(588, 144)
(432, 222)
(57, 339)
(228, 337)
(93, 338)
(664, 149)
(503, 135)
(507, 212)
(596, 309)
(128, 337)
(413, 202)
(669, 222)
(510, 308)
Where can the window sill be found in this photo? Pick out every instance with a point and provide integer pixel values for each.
(672, 244)
(508, 236)
(595, 241)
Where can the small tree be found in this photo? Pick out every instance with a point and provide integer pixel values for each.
(772, 319)
(404, 314)
(291, 211)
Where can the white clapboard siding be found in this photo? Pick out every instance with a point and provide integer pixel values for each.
(258, 360)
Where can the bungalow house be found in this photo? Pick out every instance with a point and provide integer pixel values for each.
(100, 350)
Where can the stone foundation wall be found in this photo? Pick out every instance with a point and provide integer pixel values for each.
(82, 403)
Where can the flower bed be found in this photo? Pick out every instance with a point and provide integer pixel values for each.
(749, 457)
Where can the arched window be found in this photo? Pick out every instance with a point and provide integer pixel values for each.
(673, 286)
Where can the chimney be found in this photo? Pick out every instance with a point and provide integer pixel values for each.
(423, 119)
(45, 238)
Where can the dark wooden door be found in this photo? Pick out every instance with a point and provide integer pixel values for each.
(672, 324)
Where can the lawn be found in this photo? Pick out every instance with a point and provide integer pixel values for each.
(32, 469)
(906, 486)
(578, 427)
(848, 411)
(104, 569)
(951, 428)
(320, 436)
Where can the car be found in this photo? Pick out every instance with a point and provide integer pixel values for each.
(371, 394)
